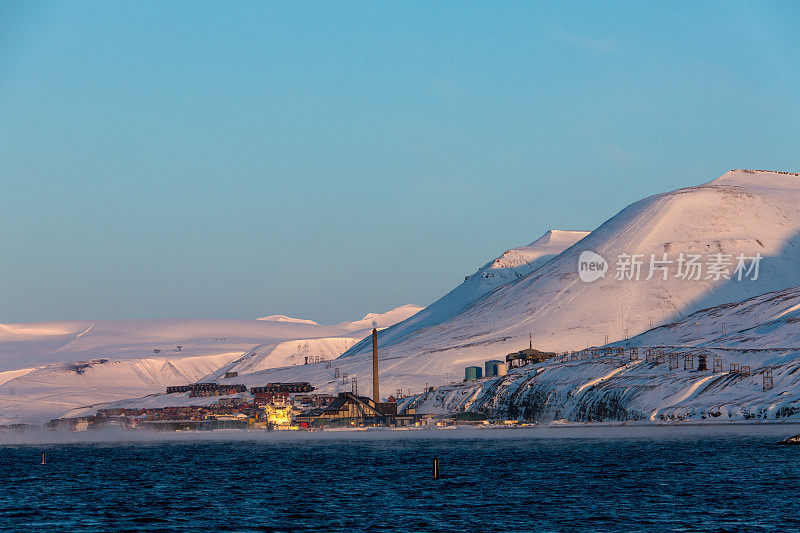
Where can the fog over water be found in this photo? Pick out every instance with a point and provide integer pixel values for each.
(640, 478)
(608, 431)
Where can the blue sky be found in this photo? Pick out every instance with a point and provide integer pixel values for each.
(324, 160)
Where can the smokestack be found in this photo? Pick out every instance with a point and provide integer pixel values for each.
(375, 392)
(530, 341)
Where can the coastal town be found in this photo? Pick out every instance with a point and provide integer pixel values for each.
(292, 406)
(295, 406)
(274, 406)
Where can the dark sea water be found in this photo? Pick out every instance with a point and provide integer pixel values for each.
(589, 480)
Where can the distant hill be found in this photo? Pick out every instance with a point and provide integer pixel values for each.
(48, 368)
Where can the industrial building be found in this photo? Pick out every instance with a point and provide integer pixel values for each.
(528, 356)
(279, 414)
(349, 409)
(494, 368)
(491, 368)
(472, 373)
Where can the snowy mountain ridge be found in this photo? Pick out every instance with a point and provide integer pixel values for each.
(532, 256)
(741, 212)
(512, 265)
(284, 318)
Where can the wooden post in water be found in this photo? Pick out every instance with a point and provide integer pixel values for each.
(44, 459)
(435, 467)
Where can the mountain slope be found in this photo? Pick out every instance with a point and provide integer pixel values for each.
(766, 321)
(47, 368)
(512, 265)
(748, 212)
(760, 334)
(49, 391)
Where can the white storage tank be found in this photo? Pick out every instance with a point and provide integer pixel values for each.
(502, 369)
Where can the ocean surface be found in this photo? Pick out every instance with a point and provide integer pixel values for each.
(590, 479)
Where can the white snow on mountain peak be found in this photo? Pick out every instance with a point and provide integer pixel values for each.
(284, 318)
(768, 321)
(754, 179)
(742, 212)
(383, 320)
(536, 253)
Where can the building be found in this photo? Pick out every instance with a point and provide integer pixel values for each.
(348, 409)
(231, 401)
(528, 356)
(491, 367)
(274, 391)
(206, 389)
(472, 373)
(195, 425)
(289, 388)
(279, 414)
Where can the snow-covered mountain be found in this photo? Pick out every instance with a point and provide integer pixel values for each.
(48, 368)
(517, 262)
(742, 212)
(382, 320)
(299, 351)
(284, 318)
(768, 321)
(370, 320)
(513, 264)
(760, 334)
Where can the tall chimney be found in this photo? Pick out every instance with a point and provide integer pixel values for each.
(375, 392)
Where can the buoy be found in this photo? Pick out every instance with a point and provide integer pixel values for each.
(44, 459)
(435, 467)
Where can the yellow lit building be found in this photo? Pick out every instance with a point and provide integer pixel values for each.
(278, 414)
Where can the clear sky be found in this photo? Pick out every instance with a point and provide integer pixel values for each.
(328, 159)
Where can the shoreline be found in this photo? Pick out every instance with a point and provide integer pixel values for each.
(594, 430)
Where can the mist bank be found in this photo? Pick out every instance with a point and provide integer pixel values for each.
(604, 431)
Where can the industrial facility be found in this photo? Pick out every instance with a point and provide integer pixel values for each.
(491, 368)
(527, 356)
(496, 367)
